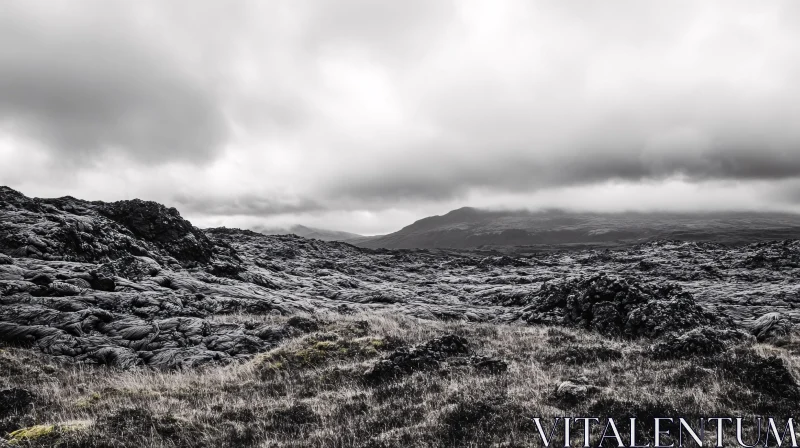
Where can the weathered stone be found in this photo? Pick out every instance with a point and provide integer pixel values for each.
(771, 327)
(617, 306)
(407, 360)
(133, 283)
(573, 391)
(698, 342)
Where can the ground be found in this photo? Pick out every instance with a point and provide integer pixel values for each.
(312, 390)
(123, 325)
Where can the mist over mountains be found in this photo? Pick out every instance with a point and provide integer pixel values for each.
(472, 228)
(310, 232)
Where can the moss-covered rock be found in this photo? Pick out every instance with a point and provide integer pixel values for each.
(322, 348)
(41, 433)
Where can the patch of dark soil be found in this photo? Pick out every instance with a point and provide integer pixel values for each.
(583, 354)
(298, 418)
(707, 341)
(482, 422)
(130, 424)
(689, 376)
(407, 360)
(765, 382)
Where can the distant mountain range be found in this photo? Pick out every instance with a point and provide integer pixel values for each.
(467, 228)
(311, 232)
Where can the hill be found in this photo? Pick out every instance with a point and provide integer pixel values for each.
(312, 233)
(467, 228)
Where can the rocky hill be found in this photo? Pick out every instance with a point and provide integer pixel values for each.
(313, 233)
(469, 228)
(121, 324)
(132, 282)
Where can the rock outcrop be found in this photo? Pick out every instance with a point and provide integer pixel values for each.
(69, 229)
(617, 306)
(132, 283)
(707, 341)
(771, 327)
(407, 360)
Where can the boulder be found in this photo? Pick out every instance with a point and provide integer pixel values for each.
(131, 268)
(771, 327)
(573, 391)
(407, 360)
(698, 342)
(162, 226)
(617, 306)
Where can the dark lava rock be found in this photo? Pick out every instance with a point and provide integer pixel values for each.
(41, 279)
(75, 230)
(707, 341)
(132, 283)
(226, 269)
(101, 283)
(163, 226)
(130, 267)
(407, 360)
(771, 327)
(502, 261)
(303, 324)
(617, 306)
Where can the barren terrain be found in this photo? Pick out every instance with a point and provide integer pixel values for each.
(123, 325)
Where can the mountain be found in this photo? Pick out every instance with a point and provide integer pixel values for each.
(313, 233)
(472, 228)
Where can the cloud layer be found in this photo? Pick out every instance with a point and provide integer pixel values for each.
(363, 115)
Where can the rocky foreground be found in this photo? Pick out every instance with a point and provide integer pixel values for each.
(122, 325)
(132, 283)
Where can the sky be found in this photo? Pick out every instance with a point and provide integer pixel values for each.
(366, 115)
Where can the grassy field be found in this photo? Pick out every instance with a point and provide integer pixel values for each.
(311, 390)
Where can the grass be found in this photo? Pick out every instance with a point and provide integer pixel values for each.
(309, 391)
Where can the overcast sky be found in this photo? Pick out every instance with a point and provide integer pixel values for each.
(365, 115)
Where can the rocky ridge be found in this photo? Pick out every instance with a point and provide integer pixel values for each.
(133, 283)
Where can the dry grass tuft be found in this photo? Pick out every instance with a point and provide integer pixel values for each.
(309, 391)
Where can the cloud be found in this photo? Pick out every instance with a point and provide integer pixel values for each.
(246, 205)
(367, 114)
(86, 86)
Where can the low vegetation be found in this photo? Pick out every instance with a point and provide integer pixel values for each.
(312, 389)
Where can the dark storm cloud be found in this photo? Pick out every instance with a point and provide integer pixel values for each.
(88, 87)
(362, 109)
(521, 170)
